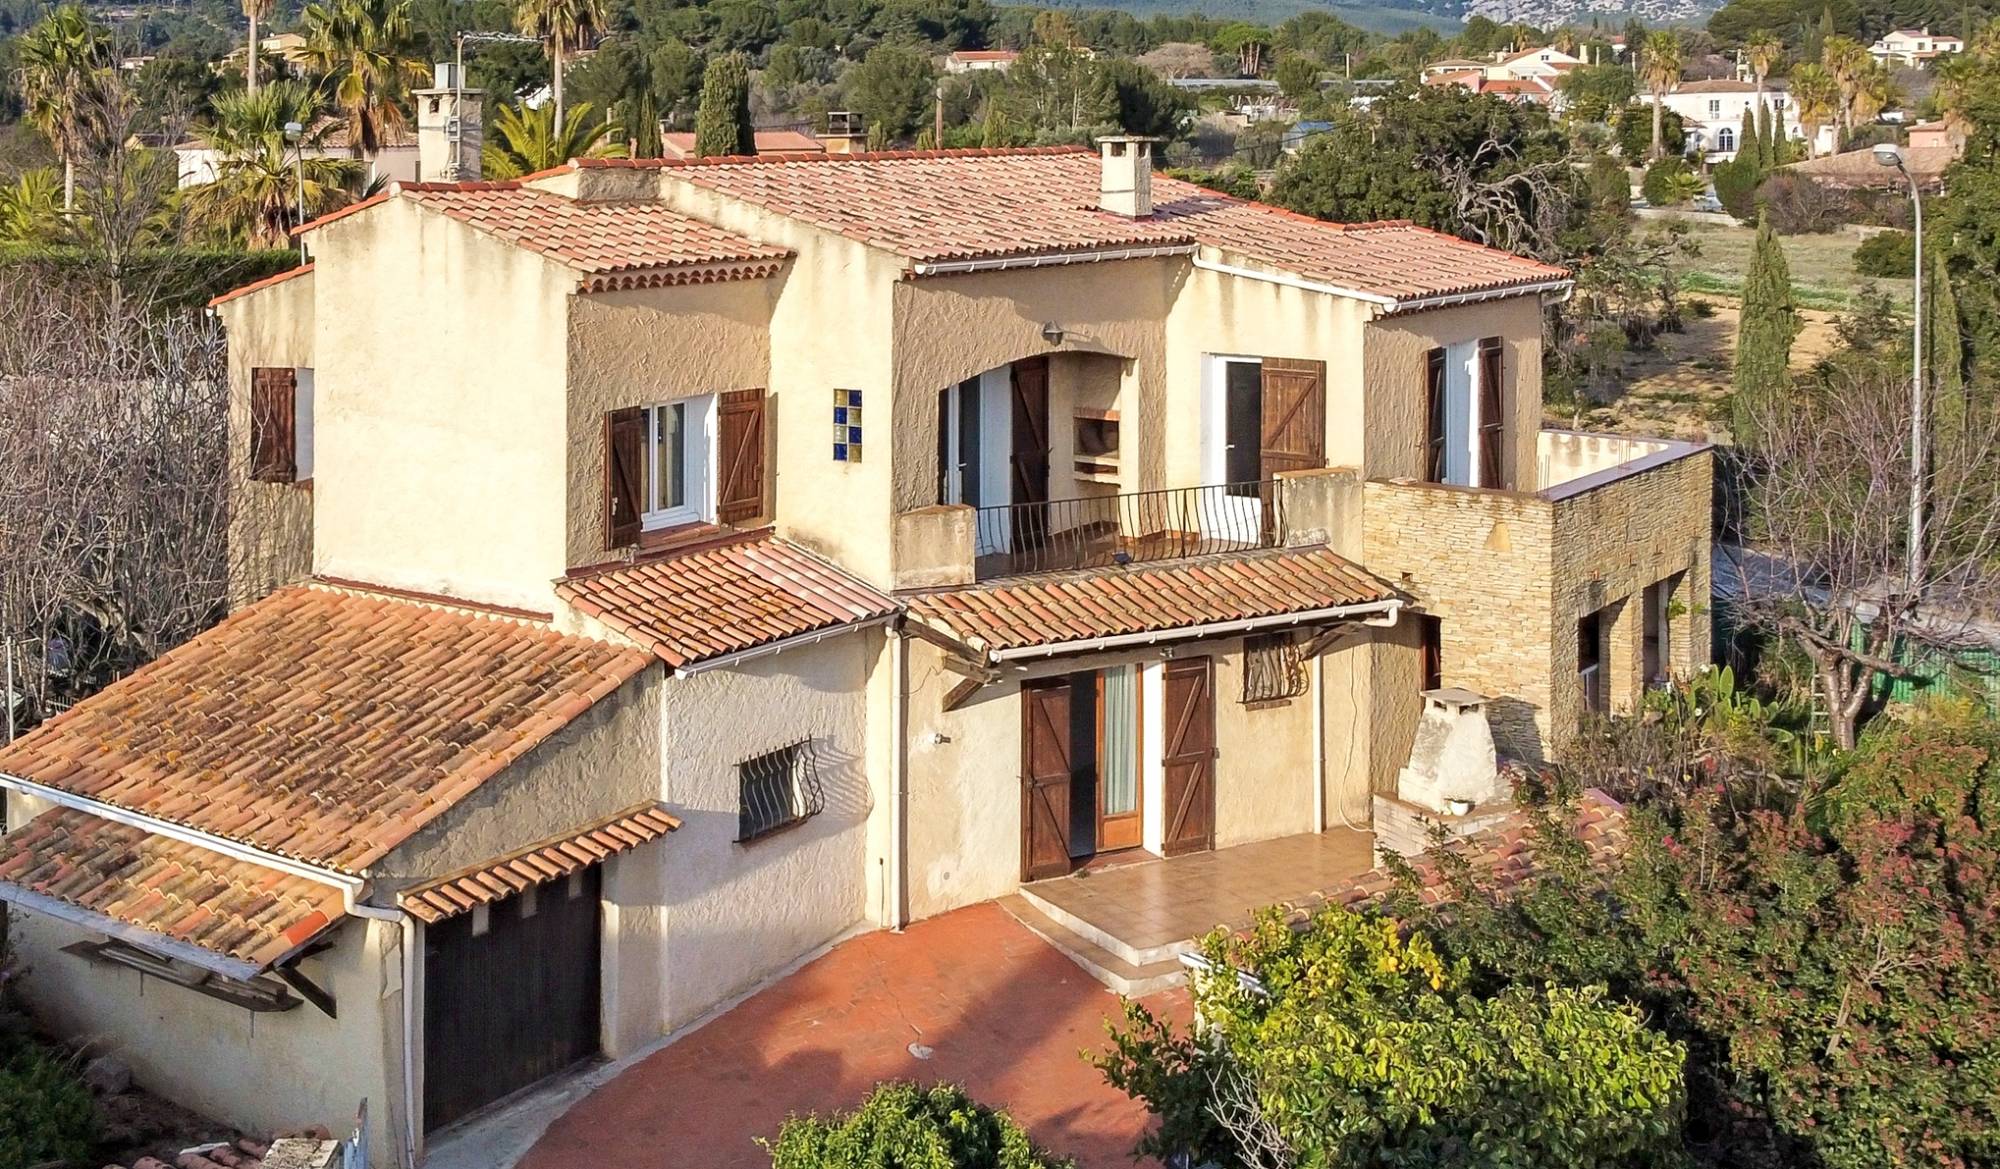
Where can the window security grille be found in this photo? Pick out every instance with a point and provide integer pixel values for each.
(779, 789)
(1273, 668)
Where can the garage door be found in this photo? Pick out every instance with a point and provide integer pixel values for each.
(511, 995)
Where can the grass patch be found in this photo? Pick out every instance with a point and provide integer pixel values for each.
(1822, 266)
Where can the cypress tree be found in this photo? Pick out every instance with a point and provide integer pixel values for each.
(722, 125)
(1770, 321)
(1749, 143)
(1944, 357)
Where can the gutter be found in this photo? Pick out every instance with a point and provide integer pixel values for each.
(1388, 304)
(797, 641)
(1053, 259)
(1373, 611)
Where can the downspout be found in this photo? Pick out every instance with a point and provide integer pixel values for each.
(899, 778)
(1319, 742)
(408, 926)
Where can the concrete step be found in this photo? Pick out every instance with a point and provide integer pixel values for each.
(1127, 978)
(1135, 955)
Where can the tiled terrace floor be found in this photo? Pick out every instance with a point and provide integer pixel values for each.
(1156, 903)
(970, 997)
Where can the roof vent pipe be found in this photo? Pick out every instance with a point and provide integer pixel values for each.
(1126, 183)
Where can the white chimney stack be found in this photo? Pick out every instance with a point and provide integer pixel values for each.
(449, 129)
(1126, 183)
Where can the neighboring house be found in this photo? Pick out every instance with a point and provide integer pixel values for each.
(1546, 63)
(1937, 136)
(1299, 133)
(650, 571)
(198, 162)
(1453, 65)
(1524, 77)
(980, 61)
(1916, 47)
(1712, 113)
(680, 144)
(1520, 90)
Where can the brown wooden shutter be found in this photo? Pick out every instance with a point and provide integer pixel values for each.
(624, 475)
(1187, 762)
(1492, 415)
(1045, 779)
(740, 441)
(1434, 410)
(1294, 422)
(274, 452)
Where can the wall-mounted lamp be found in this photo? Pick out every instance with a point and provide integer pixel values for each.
(1052, 333)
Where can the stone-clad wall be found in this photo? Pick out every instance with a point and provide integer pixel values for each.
(1509, 574)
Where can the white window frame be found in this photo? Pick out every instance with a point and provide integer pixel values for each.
(1714, 108)
(698, 459)
(302, 424)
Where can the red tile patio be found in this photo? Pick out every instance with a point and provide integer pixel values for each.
(998, 1009)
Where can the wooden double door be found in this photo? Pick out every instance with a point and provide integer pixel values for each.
(1084, 772)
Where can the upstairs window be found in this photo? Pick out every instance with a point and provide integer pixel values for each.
(1714, 108)
(692, 460)
(778, 789)
(280, 425)
(1465, 414)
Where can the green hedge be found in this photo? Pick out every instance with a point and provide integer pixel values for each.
(46, 1114)
(176, 277)
(902, 1126)
(1890, 255)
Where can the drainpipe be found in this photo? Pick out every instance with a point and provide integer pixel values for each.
(899, 778)
(1319, 742)
(408, 926)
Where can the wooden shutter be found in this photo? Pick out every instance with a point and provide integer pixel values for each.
(274, 450)
(740, 441)
(1492, 415)
(1029, 457)
(624, 475)
(1294, 422)
(1045, 779)
(1188, 760)
(1434, 411)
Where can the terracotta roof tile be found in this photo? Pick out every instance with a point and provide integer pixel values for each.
(936, 207)
(723, 597)
(594, 238)
(322, 725)
(1051, 610)
(249, 1154)
(681, 144)
(554, 858)
(260, 285)
(245, 912)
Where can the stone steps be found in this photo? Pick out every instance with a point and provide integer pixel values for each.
(1133, 979)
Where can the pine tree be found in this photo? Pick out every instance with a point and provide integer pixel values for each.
(1770, 321)
(722, 125)
(1944, 357)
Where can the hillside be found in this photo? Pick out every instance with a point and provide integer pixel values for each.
(1391, 17)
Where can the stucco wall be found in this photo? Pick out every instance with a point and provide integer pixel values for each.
(259, 1073)
(270, 524)
(1264, 765)
(652, 345)
(441, 460)
(1393, 366)
(733, 913)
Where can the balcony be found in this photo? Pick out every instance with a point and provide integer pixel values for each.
(1138, 527)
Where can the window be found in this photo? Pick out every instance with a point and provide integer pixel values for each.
(1657, 641)
(280, 425)
(1590, 660)
(777, 790)
(1430, 642)
(1273, 668)
(1725, 140)
(679, 438)
(1714, 108)
(1465, 420)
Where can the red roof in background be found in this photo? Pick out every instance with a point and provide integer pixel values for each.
(681, 144)
(249, 915)
(320, 725)
(942, 206)
(722, 597)
(1050, 610)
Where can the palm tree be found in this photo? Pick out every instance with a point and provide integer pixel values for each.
(256, 194)
(254, 11)
(1815, 95)
(1956, 77)
(525, 141)
(31, 208)
(63, 61)
(1848, 61)
(366, 51)
(563, 26)
(1764, 51)
(1874, 91)
(1661, 71)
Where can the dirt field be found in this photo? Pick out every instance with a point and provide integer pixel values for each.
(1681, 389)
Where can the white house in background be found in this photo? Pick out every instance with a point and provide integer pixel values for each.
(1712, 113)
(1918, 47)
(197, 162)
(980, 61)
(1546, 63)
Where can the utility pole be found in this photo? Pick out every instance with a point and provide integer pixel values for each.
(1892, 156)
(937, 119)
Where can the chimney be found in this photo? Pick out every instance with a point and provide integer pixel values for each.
(1125, 186)
(844, 133)
(1453, 781)
(449, 129)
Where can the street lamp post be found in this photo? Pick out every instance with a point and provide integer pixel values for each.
(1892, 156)
(295, 134)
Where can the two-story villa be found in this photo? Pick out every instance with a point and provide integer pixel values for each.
(652, 571)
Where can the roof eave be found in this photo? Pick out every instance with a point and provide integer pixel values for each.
(98, 923)
(922, 268)
(1384, 606)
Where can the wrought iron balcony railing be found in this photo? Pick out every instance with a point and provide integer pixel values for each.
(1102, 531)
